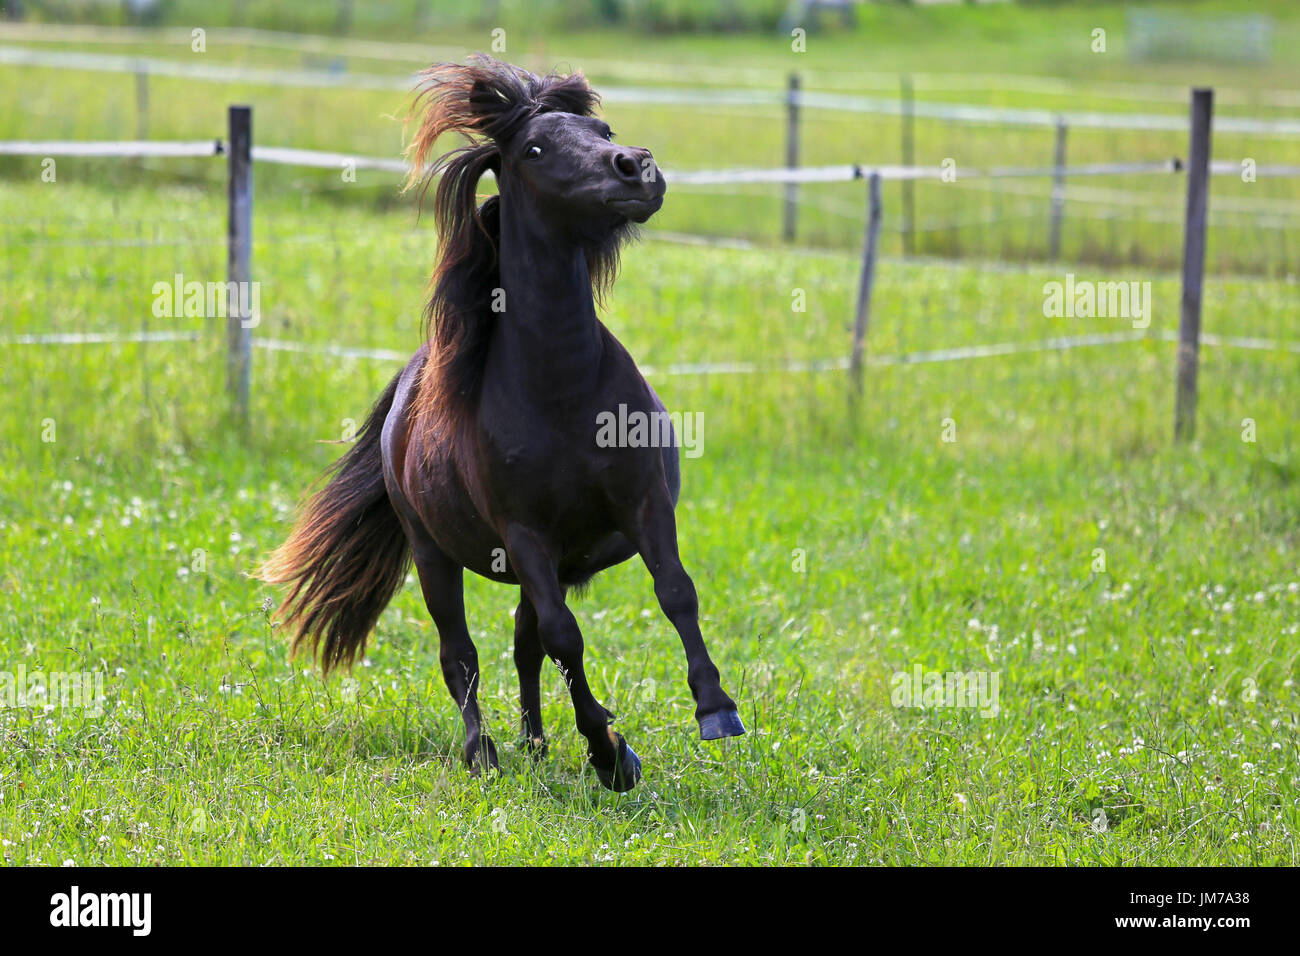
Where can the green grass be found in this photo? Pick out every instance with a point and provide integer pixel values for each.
(1158, 694)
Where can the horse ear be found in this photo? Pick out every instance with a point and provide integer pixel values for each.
(568, 94)
(487, 101)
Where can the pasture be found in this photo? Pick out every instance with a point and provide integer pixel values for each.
(1025, 514)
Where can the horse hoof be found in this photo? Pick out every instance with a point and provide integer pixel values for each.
(721, 723)
(482, 756)
(535, 747)
(626, 772)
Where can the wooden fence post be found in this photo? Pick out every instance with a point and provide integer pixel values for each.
(1058, 191)
(791, 157)
(865, 284)
(239, 247)
(1189, 324)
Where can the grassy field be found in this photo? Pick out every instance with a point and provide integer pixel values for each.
(1159, 693)
(1025, 515)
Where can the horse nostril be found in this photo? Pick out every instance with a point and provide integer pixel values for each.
(625, 166)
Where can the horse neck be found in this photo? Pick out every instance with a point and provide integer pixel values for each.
(548, 334)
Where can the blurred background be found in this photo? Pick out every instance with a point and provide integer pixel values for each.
(706, 84)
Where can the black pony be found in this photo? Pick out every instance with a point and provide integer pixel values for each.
(483, 453)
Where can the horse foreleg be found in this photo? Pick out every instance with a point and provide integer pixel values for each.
(615, 763)
(655, 536)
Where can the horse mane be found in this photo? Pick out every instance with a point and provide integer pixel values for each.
(486, 101)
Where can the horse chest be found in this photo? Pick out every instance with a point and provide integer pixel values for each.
(563, 474)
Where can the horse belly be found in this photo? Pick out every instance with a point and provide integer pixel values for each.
(460, 531)
(579, 565)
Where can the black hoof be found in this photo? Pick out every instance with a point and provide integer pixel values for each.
(626, 772)
(482, 756)
(721, 723)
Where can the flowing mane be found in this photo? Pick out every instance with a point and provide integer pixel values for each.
(485, 101)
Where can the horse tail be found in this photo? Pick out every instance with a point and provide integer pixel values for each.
(347, 554)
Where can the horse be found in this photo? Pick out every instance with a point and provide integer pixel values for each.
(483, 452)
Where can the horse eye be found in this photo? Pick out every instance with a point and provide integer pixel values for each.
(533, 152)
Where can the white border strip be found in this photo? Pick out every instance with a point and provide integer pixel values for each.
(208, 72)
(338, 351)
(389, 51)
(98, 338)
(285, 156)
(961, 353)
(705, 98)
(320, 159)
(126, 148)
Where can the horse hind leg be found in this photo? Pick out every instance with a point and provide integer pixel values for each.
(442, 582)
